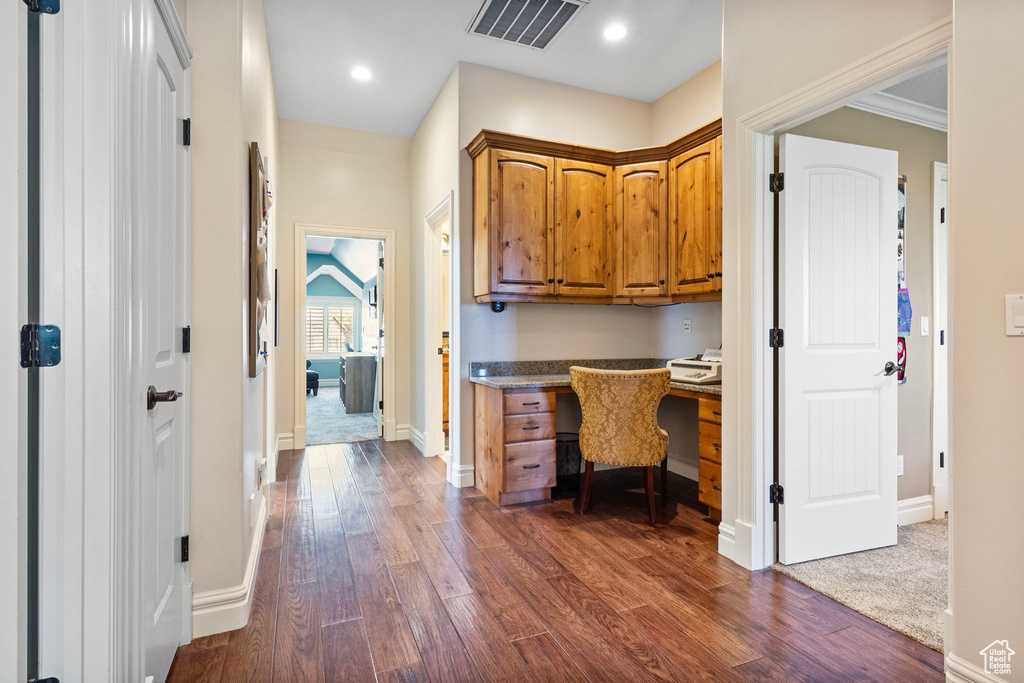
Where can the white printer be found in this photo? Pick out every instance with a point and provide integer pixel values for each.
(697, 370)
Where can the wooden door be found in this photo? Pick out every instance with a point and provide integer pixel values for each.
(837, 306)
(693, 220)
(641, 229)
(522, 219)
(716, 257)
(584, 237)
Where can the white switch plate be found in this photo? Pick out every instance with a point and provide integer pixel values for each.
(899, 465)
(686, 326)
(1015, 315)
(254, 510)
(925, 327)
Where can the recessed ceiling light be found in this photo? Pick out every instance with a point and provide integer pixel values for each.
(615, 32)
(361, 73)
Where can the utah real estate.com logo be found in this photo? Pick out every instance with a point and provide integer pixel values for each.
(997, 657)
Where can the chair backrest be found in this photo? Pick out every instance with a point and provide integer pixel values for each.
(620, 415)
(308, 363)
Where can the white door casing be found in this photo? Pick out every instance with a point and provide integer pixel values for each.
(940, 340)
(381, 322)
(837, 307)
(160, 311)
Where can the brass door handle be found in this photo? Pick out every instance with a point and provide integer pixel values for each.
(153, 396)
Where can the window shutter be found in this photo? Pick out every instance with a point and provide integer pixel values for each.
(314, 330)
(340, 328)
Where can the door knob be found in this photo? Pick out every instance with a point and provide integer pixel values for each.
(890, 368)
(153, 396)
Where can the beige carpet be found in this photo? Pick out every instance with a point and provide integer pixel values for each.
(903, 587)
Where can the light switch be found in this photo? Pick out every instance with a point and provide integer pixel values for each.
(925, 328)
(1015, 315)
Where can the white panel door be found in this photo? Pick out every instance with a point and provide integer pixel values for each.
(940, 304)
(837, 307)
(160, 309)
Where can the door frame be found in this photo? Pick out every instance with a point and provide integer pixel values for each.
(747, 533)
(433, 434)
(940, 428)
(386, 236)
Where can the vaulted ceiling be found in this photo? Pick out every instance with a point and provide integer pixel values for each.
(411, 46)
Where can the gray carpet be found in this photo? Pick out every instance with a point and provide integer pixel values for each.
(327, 421)
(903, 587)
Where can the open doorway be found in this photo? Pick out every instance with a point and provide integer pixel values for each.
(438, 311)
(863, 380)
(342, 323)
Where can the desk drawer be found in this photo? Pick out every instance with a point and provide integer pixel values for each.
(529, 465)
(709, 485)
(710, 411)
(529, 427)
(709, 446)
(529, 402)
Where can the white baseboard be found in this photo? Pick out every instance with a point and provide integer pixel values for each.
(462, 476)
(940, 500)
(727, 541)
(676, 465)
(408, 432)
(285, 442)
(227, 609)
(914, 510)
(330, 383)
(961, 671)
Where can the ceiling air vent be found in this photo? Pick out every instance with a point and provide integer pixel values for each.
(533, 23)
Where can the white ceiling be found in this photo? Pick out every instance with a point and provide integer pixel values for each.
(928, 88)
(358, 255)
(411, 47)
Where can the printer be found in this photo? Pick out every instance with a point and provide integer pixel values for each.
(696, 370)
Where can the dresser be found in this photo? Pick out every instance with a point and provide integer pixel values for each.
(358, 381)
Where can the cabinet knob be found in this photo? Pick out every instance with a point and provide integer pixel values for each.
(718, 273)
(560, 280)
(711, 275)
(550, 280)
(661, 282)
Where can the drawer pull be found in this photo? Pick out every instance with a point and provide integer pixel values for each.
(716, 445)
(534, 403)
(530, 467)
(715, 412)
(530, 429)
(717, 488)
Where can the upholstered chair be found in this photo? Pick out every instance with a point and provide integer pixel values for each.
(620, 424)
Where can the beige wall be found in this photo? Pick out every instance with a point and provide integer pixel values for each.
(987, 460)
(343, 178)
(688, 106)
(807, 40)
(918, 148)
(232, 104)
(434, 175)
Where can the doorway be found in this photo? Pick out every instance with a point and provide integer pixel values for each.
(859, 304)
(344, 376)
(441, 419)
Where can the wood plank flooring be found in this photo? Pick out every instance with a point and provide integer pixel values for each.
(374, 569)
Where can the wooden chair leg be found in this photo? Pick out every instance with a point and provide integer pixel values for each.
(649, 488)
(588, 480)
(664, 481)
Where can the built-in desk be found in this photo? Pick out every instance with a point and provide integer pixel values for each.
(515, 435)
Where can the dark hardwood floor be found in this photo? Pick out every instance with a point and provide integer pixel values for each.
(374, 569)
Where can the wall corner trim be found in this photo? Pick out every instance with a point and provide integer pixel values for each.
(408, 432)
(914, 510)
(961, 671)
(227, 609)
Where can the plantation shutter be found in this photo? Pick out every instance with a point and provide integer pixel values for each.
(314, 330)
(340, 328)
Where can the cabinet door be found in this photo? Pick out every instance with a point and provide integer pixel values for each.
(693, 211)
(716, 258)
(641, 229)
(584, 238)
(521, 239)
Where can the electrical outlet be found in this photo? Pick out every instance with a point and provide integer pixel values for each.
(686, 326)
(254, 510)
(899, 465)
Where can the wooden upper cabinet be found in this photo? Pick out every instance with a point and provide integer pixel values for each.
(641, 229)
(693, 220)
(521, 217)
(584, 239)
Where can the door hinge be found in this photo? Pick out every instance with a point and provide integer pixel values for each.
(942, 215)
(440, 350)
(184, 548)
(776, 338)
(44, 6)
(776, 182)
(380, 333)
(186, 132)
(186, 339)
(942, 337)
(380, 405)
(942, 458)
(40, 345)
(380, 262)
(776, 494)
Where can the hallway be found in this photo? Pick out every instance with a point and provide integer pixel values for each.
(373, 568)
